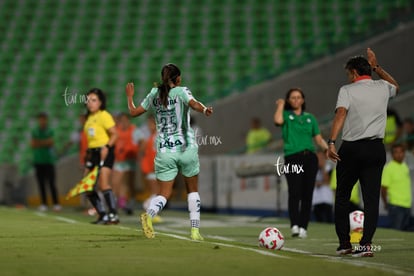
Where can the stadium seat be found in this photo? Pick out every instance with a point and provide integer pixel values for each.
(221, 46)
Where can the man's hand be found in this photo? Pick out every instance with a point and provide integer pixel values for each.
(332, 154)
(372, 59)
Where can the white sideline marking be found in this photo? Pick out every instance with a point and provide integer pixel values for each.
(174, 236)
(219, 238)
(262, 252)
(336, 259)
(66, 219)
(40, 214)
(167, 229)
(57, 217)
(123, 227)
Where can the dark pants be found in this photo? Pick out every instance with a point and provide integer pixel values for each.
(323, 212)
(45, 174)
(363, 160)
(300, 186)
(399, 217)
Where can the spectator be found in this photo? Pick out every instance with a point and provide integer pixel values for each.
(322, 200)
(258, 137)
(44, 161)
(393, 127)
(126, 154)
(408, 138)
(396, 189)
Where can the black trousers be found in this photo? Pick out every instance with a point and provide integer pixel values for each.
(323, 212)
(300, 186)
(45, 174)
(363, 160)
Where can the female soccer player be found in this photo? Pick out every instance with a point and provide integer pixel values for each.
(299, 128)
(101, 135)
(177, 148)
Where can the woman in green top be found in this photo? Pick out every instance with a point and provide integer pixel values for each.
(299, 130)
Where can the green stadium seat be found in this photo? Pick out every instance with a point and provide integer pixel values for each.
(221, 46)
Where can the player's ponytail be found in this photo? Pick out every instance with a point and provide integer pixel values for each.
(169, 74)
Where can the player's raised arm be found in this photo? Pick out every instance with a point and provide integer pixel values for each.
(133, 110)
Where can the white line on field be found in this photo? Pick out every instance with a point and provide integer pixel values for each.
(57, 217)
(66, 219)
(262, 252)
(40, 214)
(335, 259)
(171, 230)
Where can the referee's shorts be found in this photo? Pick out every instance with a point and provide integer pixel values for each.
(93, 158)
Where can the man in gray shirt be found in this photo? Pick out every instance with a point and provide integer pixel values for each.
(361, 114)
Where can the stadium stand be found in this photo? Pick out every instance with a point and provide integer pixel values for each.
(49, 47)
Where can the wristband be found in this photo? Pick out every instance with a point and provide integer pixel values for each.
(205, 110)
(331, 142)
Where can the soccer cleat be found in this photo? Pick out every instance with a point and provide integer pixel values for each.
(344, 249)
(102, 219)
(363, 251)
(195, 234)
(113, 218)
(303, 234)
(295, 231)
(146, 223)
(156, 219)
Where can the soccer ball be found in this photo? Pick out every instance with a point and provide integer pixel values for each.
(271, 238)
(356, 221)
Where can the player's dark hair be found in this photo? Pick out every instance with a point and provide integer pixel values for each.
(290, 91)
(360, 64)
(101, 96)
(169, 73)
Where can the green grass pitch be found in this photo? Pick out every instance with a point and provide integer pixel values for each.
(65, 243)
